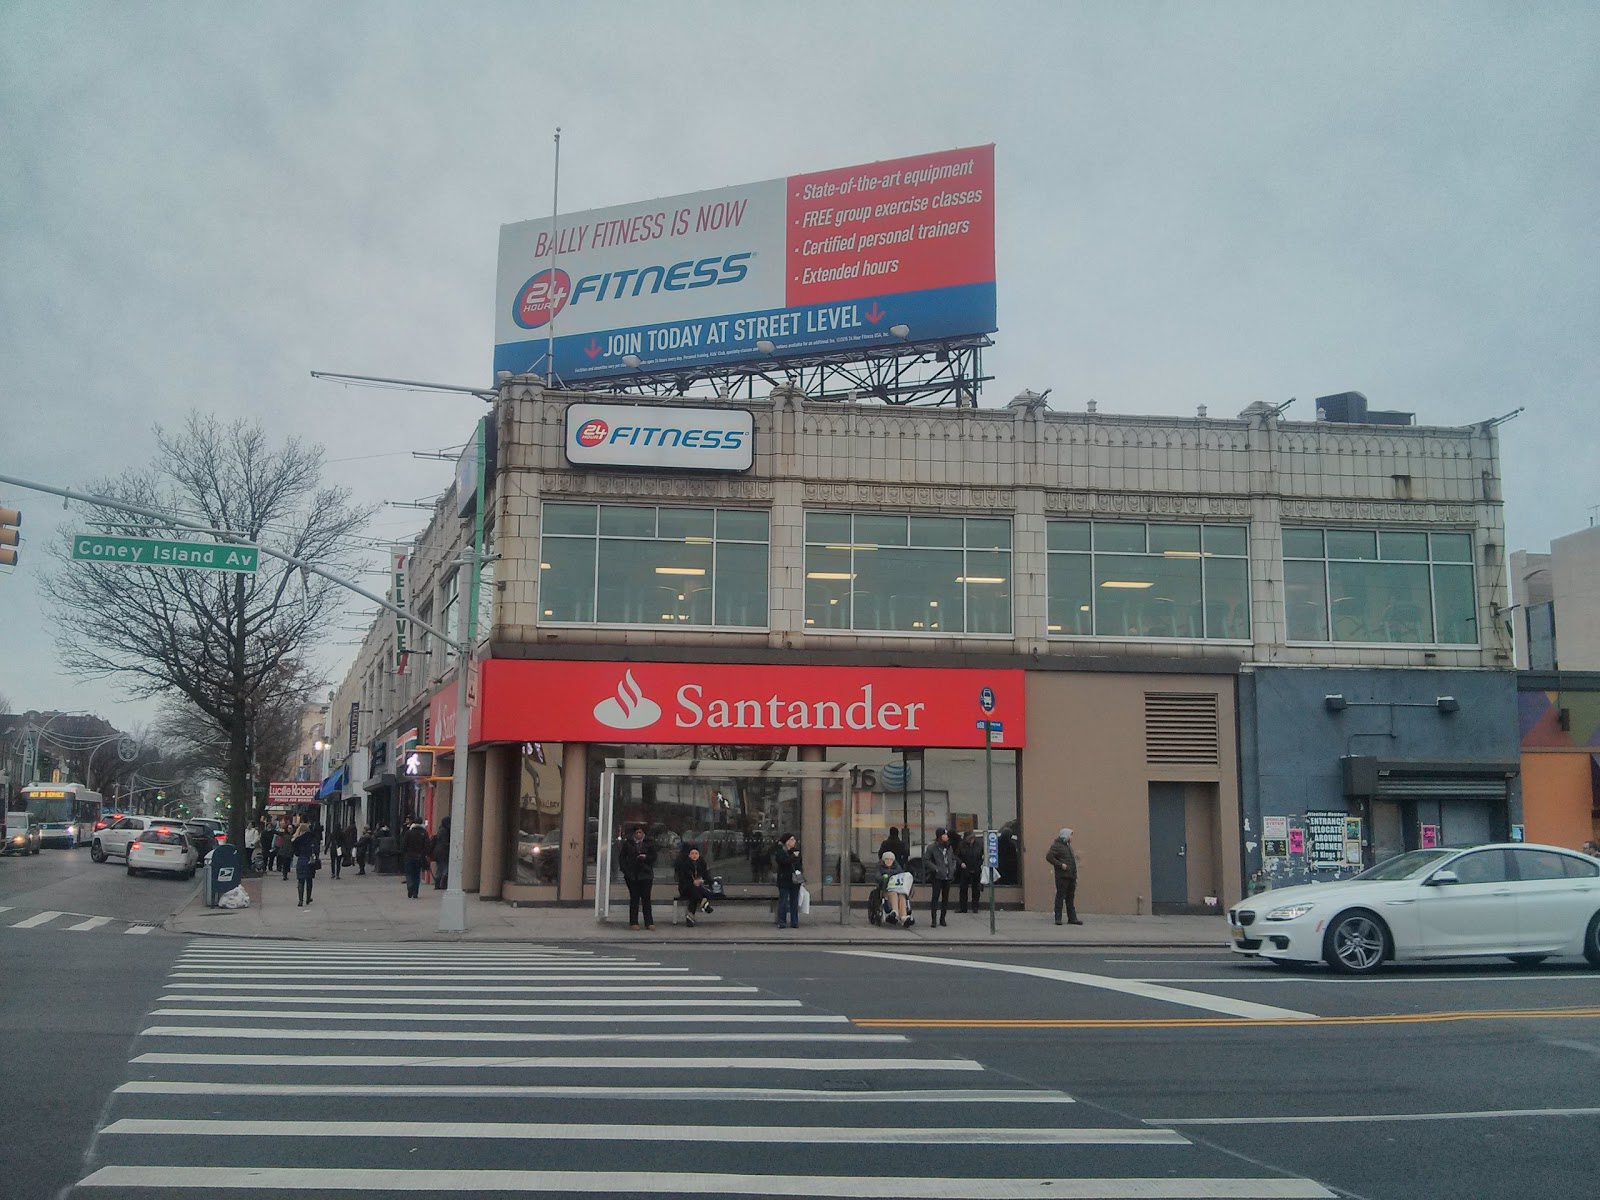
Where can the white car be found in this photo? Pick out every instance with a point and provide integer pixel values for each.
(163, 849)
(1524, 902)
(113, 840)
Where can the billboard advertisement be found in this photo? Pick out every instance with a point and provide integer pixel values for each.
(851, 259)
(661, 436)
(741, 704)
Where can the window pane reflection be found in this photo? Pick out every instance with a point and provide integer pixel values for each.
(536, 850)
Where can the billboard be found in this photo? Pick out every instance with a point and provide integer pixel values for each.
(661, 436)
(851, 259)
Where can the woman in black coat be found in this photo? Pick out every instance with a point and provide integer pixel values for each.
(694, 883)
(969, 869)
(306, 841)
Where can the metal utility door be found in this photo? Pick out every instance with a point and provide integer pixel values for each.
(1169, 863)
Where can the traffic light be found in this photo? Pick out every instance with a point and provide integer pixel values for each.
(10, 522)
(418, 763)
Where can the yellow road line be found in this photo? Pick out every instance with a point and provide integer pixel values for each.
(1523, 1014)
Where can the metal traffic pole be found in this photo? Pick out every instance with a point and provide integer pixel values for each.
(990, 837)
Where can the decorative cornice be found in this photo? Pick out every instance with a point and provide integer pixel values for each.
(1379, 510)
(582, 483)
(891, 495)
(1146, 504)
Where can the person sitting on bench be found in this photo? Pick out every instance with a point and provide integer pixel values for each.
(694, 883)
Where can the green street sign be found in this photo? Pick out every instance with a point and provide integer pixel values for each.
(151, 552)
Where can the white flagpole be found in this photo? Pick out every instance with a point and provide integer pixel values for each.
(550, 328)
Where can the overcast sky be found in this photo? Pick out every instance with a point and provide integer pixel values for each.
(1197, 204)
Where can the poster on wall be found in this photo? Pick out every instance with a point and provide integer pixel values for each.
(1297, 841)
(1325, 833)
(1275, 828)
(1430, 837)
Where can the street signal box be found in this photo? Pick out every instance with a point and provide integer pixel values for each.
(420, 762)
(10, 522)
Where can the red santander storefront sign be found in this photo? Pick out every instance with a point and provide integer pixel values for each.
(523, 700)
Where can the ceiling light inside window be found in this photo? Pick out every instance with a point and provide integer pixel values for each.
(680, 570)
(1126, 583)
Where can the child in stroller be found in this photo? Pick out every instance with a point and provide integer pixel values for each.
(891, 899)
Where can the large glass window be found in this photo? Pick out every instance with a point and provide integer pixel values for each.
(909, 795)
(637, 565)
(1132, 579)
(1379, 585)
(908, 574)
(536, 853)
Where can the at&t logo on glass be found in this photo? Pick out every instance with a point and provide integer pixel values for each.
(541, 298)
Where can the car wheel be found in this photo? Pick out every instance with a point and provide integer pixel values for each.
(1591, 941)
(1356, 943)
(131, 871)
(1527, 960)
(97, 852)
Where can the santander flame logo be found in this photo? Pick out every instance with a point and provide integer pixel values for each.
(630, 708)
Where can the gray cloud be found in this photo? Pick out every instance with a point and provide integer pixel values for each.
(1197, 204)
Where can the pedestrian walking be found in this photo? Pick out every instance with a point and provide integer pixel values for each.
(283, 843)
(350, 843)
(414, 856)
(1061, 857)
(694, 882)
(335, 849)
(786, 868)
(307, 859)
(252, 842)
(939, 863)
(636, 859)
(439, 851)
(969, 870)
(363, 850)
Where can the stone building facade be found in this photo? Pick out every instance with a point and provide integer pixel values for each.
(1128, 581)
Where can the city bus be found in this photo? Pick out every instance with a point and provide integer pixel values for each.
(66, 811)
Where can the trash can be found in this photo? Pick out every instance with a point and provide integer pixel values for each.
(222, 872)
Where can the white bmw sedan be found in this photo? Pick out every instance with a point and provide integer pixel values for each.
(1524, 902)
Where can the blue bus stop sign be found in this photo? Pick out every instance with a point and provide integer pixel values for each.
(993, 839)
(986, 699)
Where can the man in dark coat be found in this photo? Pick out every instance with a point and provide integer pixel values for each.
(939, 864)
(636, 859)
(414, 855)
(440, 852)
(1061, 857)
(694, 883)
(969, 869)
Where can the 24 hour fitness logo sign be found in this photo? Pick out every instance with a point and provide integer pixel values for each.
(661, 436)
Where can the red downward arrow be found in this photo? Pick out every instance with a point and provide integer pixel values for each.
(875, 314)
(592, 349)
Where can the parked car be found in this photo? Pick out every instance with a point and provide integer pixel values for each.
(112, 841)
(1516, 900)
(205, 833)
(163, 849)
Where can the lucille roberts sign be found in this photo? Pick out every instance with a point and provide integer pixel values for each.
(741, 704)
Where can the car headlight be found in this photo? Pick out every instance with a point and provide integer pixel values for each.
(1289, 912)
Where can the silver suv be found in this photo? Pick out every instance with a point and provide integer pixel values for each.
(112, 841)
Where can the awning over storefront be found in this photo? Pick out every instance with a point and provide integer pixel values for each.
(334, 784)
(379, 782)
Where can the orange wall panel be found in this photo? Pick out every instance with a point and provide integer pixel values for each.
(1557, 799)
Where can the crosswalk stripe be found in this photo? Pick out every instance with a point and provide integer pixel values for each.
(553, 1091)
(91, 923)
(139, 929)
(663, 983)
(698, 996)
(247, 1032)
(626, 1132)
(531, 989)
(5, 907)
(656, 1183)
(35, 920)
(564, 1018)
(482, 1002)
(582, 1062)
(419, 978)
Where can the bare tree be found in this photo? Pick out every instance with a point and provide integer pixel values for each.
(218, 639)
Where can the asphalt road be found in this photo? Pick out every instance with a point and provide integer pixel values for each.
(624, 1070)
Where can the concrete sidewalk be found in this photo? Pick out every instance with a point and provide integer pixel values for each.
(374, 908)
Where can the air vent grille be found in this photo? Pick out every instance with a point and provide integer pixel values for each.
(1181, 727)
